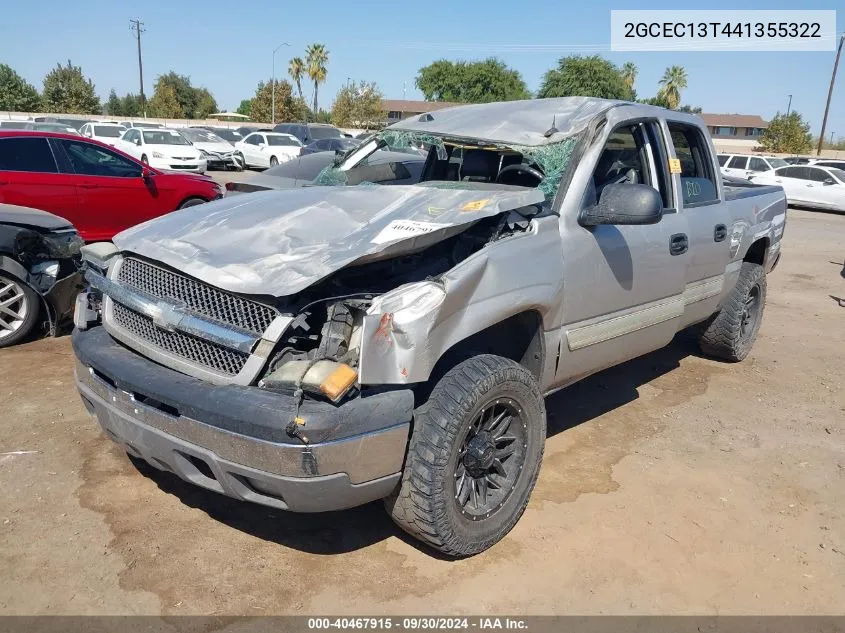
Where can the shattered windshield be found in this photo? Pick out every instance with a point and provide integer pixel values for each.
(460, 163)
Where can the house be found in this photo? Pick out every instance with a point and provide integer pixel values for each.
(735, 132)
(398, 109)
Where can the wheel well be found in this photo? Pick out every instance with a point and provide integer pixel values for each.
(519, 338)
(189, 198)
(756, 253)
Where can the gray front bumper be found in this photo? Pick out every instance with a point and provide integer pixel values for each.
(231, 440)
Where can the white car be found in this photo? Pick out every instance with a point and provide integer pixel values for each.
(109, 133)
(218, 153)
(829, 162)
(808, 185)
(745, 166)
(267, 149)
(162, 148)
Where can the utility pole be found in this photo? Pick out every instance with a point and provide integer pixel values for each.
(273, 85)
(789, 107)
(138, 26)
(830, 93)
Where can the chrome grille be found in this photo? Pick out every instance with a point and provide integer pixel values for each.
(197, 350)
(223, 307)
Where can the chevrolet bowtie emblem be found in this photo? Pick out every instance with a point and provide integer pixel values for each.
(168, 316)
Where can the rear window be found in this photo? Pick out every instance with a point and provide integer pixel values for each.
(26, 154)
(698, 182)
(108, 131)
(317, 133)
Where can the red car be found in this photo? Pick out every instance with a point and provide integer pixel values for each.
(98, 188)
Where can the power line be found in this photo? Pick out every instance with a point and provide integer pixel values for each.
(830, 94)
(138, 27)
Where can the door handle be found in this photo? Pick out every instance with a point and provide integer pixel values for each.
(678, 244)
(720, 232)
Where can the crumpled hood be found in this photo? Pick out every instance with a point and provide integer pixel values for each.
(280, 242)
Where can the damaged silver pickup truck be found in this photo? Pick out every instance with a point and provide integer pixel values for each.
(320, 348)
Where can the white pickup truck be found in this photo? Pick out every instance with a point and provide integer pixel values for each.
(323, 347)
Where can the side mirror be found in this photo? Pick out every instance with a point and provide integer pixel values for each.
(146, 174)
(829, 181)
(625, 204)
(137, 142)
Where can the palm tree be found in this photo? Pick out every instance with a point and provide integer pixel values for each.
(673, 81)
(629, 74)
(316, 58)
(296, 69)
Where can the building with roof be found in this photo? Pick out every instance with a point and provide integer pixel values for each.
(398, 109)
(735, 132)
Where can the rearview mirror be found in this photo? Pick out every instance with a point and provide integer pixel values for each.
(625, 204)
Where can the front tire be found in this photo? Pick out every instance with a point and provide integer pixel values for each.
(273, 161)
(473, 457)
(19, 310)
(731, 333)
(145, 160)
(191, 202)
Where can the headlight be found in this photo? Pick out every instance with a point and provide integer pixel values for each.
(158, 155)
(409, 302)
(63, 244)
(203, 153)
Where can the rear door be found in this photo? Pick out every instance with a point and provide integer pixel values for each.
(112, 193)
(698, 195)
(623, 284)
(30, 177)
(794, 181)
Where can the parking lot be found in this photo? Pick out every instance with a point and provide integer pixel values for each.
(670, 484)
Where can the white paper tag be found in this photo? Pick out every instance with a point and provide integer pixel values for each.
(401, 229)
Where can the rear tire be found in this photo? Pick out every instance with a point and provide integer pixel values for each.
(730, 333)
(20, 308)
(473, 457)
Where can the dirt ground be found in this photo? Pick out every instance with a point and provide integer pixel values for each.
(671, 484)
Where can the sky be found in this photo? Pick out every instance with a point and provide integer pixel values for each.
(227, 46)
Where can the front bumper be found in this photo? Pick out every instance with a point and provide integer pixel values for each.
(231, 439)
(169, 164)
(225, 161)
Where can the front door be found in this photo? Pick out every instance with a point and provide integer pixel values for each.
(111, 189)
(623, 285)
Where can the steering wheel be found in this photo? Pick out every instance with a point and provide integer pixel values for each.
(521, 168)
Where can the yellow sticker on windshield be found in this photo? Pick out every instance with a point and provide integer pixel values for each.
(475, 205)
(674, 166)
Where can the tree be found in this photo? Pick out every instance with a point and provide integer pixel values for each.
(690, 109)
(245, 107)
(165, 103)
(358, 105)
(288, 107)
(673, 81)
(114, 106)
(787, 134)
(67, 90)
(471, 82)
(296, 70)
(205, 103)
(131, 105)
(16, 94)
(316, 59)
(591, 76)
(629, 74)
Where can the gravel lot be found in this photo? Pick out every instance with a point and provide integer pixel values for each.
(671, 484)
